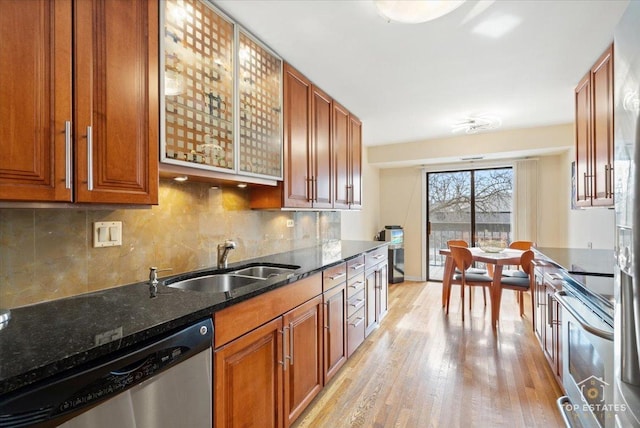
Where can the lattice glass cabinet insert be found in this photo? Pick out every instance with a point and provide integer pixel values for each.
(209, 100)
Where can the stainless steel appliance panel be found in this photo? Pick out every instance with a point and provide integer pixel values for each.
(587, 346)
(180, 396)
(627, 180)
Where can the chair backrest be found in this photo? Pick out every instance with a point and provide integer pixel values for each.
(462, 257)
(521, 245)
(525, 261)
(457, 243)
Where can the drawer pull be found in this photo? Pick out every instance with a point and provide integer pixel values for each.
(338, 276)
(357, 303)
(358, 266)
(358, 322)
(378, 256)
(355, 284)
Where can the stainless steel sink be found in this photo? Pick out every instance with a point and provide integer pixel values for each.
(215, 283)
(264, 272)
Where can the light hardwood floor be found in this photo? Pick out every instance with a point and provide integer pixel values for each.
(422, 368)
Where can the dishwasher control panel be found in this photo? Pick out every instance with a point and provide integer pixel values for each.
(120, 380)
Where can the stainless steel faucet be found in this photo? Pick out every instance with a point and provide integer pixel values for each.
(223, 252)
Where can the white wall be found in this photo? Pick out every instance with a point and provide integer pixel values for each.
(401, 202)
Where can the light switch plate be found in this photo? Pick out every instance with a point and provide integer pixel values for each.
(107, 234)
(290, 223)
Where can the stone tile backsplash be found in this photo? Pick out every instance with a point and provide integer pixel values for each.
(47, 253)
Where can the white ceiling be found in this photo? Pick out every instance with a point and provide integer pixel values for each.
(413, 82)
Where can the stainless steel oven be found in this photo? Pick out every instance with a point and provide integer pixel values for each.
(587, 348)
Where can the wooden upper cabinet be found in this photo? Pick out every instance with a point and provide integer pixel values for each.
(602, 123)
(583, 141)
(355, 172)
(297, 139)
(116, 101)
(322, 152)
(322, 178)
(92, 137)
(341, 157)
(35, 100)
(594, 134)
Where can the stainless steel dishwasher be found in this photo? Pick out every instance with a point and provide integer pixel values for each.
(166, 383)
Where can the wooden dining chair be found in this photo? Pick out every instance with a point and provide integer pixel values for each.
(463, 243)
(521, 245)
(473, 270)
(519, 280)
(463, 259)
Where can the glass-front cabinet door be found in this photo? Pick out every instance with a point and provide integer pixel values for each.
(198, 86)
(259, 84)
(222, 94)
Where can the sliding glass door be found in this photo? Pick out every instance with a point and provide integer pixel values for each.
(472, 205)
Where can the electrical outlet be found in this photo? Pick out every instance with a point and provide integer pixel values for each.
(290, 223)
(107, 234)
(589, 245)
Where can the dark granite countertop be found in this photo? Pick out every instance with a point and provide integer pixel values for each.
(580, 261)
(46, 339)
(588, 271)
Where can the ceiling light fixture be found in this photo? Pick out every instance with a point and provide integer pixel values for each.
(475, 124)
(415, 11)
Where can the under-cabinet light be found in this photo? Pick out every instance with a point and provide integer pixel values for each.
(181, 178)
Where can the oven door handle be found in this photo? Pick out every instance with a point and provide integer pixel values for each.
(564, 404)
(559, 295)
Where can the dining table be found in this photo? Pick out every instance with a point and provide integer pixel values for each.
(505, 257)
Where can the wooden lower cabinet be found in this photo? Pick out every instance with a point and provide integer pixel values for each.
(303, 374)
(376, 298)
(248, 375)
(547, 316)
(335, 334)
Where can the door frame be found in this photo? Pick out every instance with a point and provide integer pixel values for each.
(424, 265)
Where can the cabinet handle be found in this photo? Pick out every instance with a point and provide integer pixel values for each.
(586, 192)
(355, 284)
(309, 194)
(349, 192)
(89, 159)
(608, 171)
(328, 317)
(290, 357)
(550, 320)
(358, 266)
(378, 256)
(67, 154)
(358, 322)
(314, 189)
(283, 332)
(338, 276)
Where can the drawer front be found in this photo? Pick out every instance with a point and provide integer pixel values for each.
(236, 320)
(355, 266)
(334, 276)
(355, 284)
(355, 303)
(376, 256)
(355, 331)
